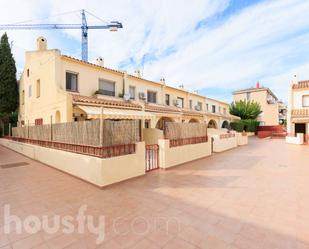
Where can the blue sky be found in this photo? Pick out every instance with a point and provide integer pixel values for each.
(212, 46)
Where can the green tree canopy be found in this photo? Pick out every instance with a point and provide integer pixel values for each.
(8, 83)
(245, 109)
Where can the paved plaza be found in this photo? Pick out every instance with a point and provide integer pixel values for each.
(255, 196)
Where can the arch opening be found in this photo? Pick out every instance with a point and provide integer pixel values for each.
(162, 121)
(194, 120)
(225, 124)
(212, 124)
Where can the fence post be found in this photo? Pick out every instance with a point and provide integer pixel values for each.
(10, 127)
(51, 128)
(28, 130)
(101, 127)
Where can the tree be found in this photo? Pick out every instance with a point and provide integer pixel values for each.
(8, 83)
(245, 109)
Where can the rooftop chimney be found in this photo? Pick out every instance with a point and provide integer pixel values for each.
(181, 86)
(295, 79)
(137, 73)
(100, 61)
(195, 91)
(257, 84)
(41, 43)
(162, 80)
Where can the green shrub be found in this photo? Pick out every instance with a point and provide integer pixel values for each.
(245, 109)
(237, 126)
(250, 125)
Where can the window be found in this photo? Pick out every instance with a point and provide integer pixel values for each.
(190, 104)
(224, 110)
(219, 109)
(213, 107)
(30, 91)
(151, 97)
(200, 106)
(305, 100)
(167, 99)
(207, 107)
(71, 80)
(248, 96)
(28, 72)
(132, 92)
(107, 87)
(180, 101)
(23, 97)
(38, 88)
(147, 124)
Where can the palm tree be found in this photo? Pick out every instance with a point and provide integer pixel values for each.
(245, 109)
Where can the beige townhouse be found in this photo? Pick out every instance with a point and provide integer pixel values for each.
(268, 101)
(57, 88)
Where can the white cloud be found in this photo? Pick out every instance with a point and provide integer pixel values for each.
(266, 42)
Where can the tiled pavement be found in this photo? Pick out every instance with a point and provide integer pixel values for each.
(255, 196)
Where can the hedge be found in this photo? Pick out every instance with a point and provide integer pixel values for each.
(249, 125)
(237, 126)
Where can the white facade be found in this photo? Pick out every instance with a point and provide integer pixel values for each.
(298, 108)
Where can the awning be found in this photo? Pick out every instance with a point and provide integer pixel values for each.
(113, 113)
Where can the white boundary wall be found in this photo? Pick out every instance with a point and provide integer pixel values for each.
(100, 172)
(241, 140)
(223, 144)
(299, 139)
(170, 157)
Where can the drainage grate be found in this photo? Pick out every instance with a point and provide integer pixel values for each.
(11, 165)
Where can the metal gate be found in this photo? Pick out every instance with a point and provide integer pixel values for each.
(152, 157)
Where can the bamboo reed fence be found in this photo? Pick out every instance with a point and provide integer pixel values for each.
(184, 130)
(91, 133)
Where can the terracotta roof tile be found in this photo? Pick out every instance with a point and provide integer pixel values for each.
(91, 64)
(104, 102)
(192, 113)
(301, 84)
(300, 112)
(161, 108)
(255, 89)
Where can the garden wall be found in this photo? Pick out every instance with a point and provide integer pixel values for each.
(100, 172)
(242, 138)
(172, 156)
(222, 144)
(298, 139)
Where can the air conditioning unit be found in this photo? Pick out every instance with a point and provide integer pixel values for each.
(142, 95)
(197, 108)
(177, 103)
(126, 97)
